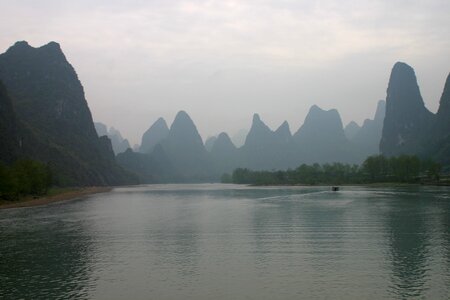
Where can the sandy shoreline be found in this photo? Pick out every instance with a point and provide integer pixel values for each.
(63, 196)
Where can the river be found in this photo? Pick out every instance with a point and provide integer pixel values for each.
(214, 241)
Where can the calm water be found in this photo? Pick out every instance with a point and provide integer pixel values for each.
(230, 242)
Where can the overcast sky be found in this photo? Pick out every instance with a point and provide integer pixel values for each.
(222, 61)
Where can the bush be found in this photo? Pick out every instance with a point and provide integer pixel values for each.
(24, 177)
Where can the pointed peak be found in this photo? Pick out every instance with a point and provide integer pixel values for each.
(352, 124)
(157, 132)
(160, 120)
(183, 124)
(182, 114)
(351, 129)
(284, 127)
(381, 110)
(223, 142)
(160, 123)
(182, 119)
(284, 131)
(258, 124)
(315, 108)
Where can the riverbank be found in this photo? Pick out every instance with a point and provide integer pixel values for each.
(370, 185)
(56, 195)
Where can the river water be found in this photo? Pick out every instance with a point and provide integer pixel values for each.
(214, 241)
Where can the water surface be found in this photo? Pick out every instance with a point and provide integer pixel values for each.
(230, 242)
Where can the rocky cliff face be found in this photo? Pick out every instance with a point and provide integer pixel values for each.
(442, 123)
(407, 121)
(49, 100)
(439, 146)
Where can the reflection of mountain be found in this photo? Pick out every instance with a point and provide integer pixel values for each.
(47, 260)
(408, 240)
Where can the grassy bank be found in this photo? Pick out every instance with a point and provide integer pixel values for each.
(54, 195)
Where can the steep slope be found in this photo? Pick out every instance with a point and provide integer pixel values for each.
(442, 123)
(439, 148)
(154, 135)
(49, 100)
(407, 121)
(185, 150)
(283, 134)
(239, 137)
(9, 132)
(101, 129)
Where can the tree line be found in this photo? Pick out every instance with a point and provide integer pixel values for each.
(375, 169)
(24, 178)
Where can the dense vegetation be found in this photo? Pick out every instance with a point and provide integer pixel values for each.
(375, 169)
(24, 178)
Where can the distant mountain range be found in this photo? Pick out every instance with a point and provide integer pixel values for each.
(44, 116)
(119, 144)
(180, 149)
(401, 124)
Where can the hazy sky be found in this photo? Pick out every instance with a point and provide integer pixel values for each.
(222, 61)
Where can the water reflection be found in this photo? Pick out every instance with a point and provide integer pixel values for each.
(409, 243)
(416, 222)
(227, 242)
(43, 255)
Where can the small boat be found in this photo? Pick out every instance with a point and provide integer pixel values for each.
(335, 188)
